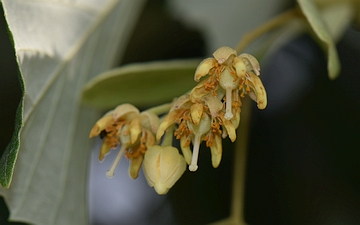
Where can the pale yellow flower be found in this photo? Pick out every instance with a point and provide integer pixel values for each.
(132, 130)
(211, 111)
(197, 122)
(235, 75)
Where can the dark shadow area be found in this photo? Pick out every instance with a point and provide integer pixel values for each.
(158, 36)
(303, 161)
(10, 94)
(10, 91)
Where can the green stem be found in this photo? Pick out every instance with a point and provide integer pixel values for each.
(168, 137)
(160, 109)
(266, 27)
(237, 205)
(238, 186)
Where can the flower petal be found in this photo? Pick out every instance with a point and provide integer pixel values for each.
(236, 110)
(181, 102)
(230, 129)
(213, 103)
(240, 67)
(204, 67)
(196, 112)
(101, 124)
(126, 111)
(168, 121)
(199, 91)
(135, 129)
(236, 119)
(251, 63)
(135, 165)
(185, 148)
(105, 148)
(223, 53)
(150, 121)
(150, 139)
(259, 90)
(216, 151)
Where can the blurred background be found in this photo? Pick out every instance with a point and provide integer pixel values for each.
(303, 157)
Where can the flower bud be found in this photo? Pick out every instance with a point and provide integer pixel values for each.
(163, 166)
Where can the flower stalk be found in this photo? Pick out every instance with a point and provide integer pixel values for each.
(268, 26)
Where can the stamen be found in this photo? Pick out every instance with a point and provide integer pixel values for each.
(228, 114)
(193, 166)
(110, 172)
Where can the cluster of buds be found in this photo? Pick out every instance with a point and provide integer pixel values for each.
(209, 113)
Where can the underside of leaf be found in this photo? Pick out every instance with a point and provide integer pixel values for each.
(141, 84)
(316, 22)
(59, 45)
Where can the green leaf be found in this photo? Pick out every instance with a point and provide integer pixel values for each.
(318, 25)
(337, 17)
(59, 46)
(141, 84)
(8, 159)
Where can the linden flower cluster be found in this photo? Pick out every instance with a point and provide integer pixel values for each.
(132, 130)
(212, 109)
(209, 113)
(135, 132)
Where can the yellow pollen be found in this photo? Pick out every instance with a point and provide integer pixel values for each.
(112, 134)
(128, 153)
(209, 139)
(210, 85)
(182, 130)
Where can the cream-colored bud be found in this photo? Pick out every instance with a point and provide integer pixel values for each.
(163, 166)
